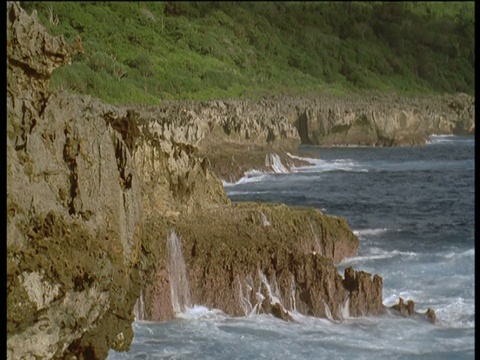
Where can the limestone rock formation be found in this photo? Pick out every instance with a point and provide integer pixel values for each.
(260, 258)
(408, 309)
(365, 293)
(233, 133)
(74, 211)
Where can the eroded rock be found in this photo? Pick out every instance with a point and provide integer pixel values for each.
(236, 135)
(248, 258)
(365, 292)
(74, 224)
(408, 309)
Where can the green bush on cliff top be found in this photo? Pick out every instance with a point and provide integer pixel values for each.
(143, 52)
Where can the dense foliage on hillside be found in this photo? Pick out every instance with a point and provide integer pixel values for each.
(143, 52)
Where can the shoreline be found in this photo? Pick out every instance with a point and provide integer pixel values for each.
(96, 193)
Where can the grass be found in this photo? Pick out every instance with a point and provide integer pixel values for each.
(145, 52)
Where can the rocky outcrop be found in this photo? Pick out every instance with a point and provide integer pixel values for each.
(284, 123)
(234, 133)
(408, 309)
(74, 211)
(259, 258)
(365, 293)
(389, 120)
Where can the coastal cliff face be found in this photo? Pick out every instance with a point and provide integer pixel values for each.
(110, 208)
(382, 120)
(257, 258)
(238, 135)
(74, 211)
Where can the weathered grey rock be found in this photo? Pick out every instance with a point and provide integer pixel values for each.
(233, 134)
(74, 218)
(284, 123)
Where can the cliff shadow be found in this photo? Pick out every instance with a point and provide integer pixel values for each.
(302, 127)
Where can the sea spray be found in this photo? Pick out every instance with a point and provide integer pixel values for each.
(265, 220)
(244, 298)
(293, 289)
(439, 273)
(273, 161)
(345, 308)
(139, 308)
(328, 313)
(273, 292)
(274, 296)
(178, 274)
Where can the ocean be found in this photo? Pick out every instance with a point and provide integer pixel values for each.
(413, 210)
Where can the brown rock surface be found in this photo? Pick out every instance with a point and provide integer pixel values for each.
(365, 293)
(408, 309)
(233, 133)
(261, 258)
(74, 223)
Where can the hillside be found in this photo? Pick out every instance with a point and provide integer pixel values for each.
(145, 52)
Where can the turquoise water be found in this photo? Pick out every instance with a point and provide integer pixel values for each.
(413, 210)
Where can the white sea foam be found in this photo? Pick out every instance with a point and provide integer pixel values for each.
(178, 274)
(394, 297)
(328, 313)
(439, 276)
(442, 135)
(345, 308)
(250, 177)
(438, 139)
(470, 252)
(375, 254)
(320, 165)
(265, 221)
(312, 161)
(201, 312)
(370, 232)
(456, 255)
(273, 161)
(139, 308)
(458, 313)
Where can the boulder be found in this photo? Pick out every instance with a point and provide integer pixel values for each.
(408, 309)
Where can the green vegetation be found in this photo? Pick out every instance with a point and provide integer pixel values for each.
(144, 52)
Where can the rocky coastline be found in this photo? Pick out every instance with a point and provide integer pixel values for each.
(107, 206)
(236, 135)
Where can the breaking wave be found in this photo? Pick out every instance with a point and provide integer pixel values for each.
(275, 166)
(272, 162)
(370, 232)
(437, 139)
(376, 254)
(320, 166)
(201, 312)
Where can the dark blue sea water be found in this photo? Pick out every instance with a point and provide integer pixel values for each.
(413, 210)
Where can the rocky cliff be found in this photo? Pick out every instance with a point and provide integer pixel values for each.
(257, 258)
(108, 207)
(236, 134)
(74, 210)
